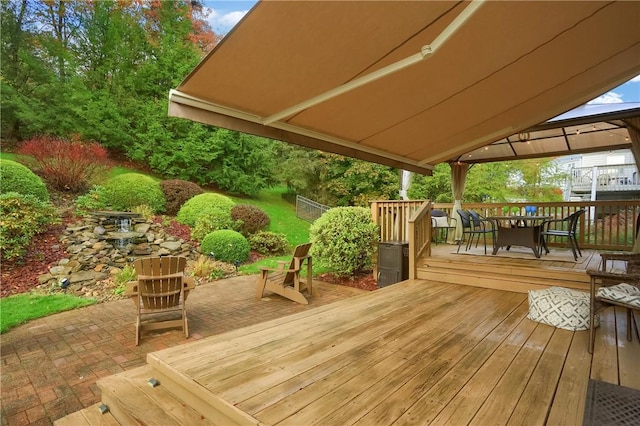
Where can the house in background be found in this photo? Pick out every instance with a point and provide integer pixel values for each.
(609, 175)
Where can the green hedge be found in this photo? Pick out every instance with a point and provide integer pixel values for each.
(202, 205)
(23, 216)
(344, 240)
(124, 192)
(226, 245)
(18, 178)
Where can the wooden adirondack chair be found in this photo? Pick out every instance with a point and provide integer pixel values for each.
(161, 287)
(286, 282)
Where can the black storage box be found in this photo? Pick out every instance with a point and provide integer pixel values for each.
(393, 262)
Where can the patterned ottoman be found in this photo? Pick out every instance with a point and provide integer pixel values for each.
(561, 307)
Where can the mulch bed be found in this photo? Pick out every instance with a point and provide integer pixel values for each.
(21, 275)
(361, 281)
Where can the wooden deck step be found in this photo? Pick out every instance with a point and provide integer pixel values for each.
(215, 409)
(90, 416)
(510, 277)
(131, 400)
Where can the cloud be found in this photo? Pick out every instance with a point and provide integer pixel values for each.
(223, 22)
(607, 98)
(635, 79)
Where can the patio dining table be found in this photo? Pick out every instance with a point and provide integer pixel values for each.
(522, 231)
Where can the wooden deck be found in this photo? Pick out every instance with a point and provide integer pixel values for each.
(557, 259)
(416, 352)
(516, 270)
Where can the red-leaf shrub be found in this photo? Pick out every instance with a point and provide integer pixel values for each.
(177, 192)
(252, 218)
(66, 165)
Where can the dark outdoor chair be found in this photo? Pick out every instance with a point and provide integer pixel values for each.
(441, 223)
(617, 288)
(562, 228)
(475, 226)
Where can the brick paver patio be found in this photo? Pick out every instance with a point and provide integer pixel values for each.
(50, 366)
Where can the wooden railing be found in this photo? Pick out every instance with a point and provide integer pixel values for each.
(393, 218)
(606, 225)
(419, 237)
(622, 177)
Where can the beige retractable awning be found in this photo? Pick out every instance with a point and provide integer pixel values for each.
(409, 84)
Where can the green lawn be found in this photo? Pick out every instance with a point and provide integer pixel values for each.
(18, 309)
(283, 220)
(10, 156)
(282, 214)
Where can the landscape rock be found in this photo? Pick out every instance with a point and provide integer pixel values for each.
(142, 228)
(59, 270)
(172, 245)
(94, 254)
(44, 278)
(86, 276)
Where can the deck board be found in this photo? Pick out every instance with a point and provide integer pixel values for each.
(590, 260)
(417, 352)
(461, 407)
(452, 392)
(505, 395)
(605, 354)
(373, 369)
(405, 381)
(395, 341)
(628, 353)
(541, 387)
(568, 403)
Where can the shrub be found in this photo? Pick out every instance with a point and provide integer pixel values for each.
(267, 242)
(202, 267)
(129, 190)
(66, 165)
(122, 277)
(251, 219)
(201, 205)
(207, 268)
(144, 210)
(215, 220)
(23, 216)
(344, 240)
(177, 192)
(18, 178)
(226, 245)
(94, 200)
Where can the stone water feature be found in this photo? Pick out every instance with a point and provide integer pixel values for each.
(103, 242)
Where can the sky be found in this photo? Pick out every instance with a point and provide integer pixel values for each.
(225, 14)
(628, 92)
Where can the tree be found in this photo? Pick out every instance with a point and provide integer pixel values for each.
(436, 187)
(246, 164)
(25, 73)
(343, 181)
(530, 180)
(302, 171)
(540, 179)
(485, 182)
(488, 182)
